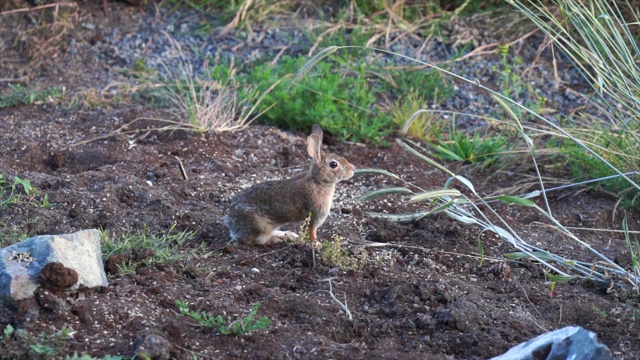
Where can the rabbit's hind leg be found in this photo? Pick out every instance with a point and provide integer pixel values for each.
(249, 228)
(283, 235)
(259, 234)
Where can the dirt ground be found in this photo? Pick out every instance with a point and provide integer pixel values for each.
(424, 295)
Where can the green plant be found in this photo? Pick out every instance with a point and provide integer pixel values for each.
(341, 104)
(229, 326)
(11, 193)
(140, 68)
(619, 148)
(19, 95)
(148, 248)
(41, 346)
(600, 312)
(509, 81)
(343, 99)
(6, 345)
(333, 253)
(404, 108)
(472, 149)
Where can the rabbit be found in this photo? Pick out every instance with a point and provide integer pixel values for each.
(256, 213)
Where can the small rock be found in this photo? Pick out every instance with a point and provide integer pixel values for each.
(571, 342)
(152, 345)
(462, 315)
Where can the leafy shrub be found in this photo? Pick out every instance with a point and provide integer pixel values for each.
(347, 101)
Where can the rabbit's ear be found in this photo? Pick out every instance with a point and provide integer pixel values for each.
(317, 131)
(314, 143)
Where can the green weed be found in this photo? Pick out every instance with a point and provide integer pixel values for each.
(141, 68)
(342, 105)
(404, 108)
(460, 146)
(20, 95)
(332, 253)
(228, 326)
(147, 249)
(15, 343)
(600, 312)
(343, 100)
(20, 190)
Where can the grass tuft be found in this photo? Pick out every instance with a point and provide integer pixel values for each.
(228, 326)
(19, 95)
(148, 248)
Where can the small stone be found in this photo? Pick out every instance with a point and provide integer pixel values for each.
(152, 345)
(571, 342)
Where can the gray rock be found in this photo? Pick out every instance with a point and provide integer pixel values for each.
(152, 344)
(571, 342)
(21, 263)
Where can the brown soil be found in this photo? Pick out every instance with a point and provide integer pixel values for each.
(425, 295)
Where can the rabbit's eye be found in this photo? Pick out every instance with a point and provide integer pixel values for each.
(333, 164)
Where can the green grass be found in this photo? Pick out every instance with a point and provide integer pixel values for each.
(229, 326)
(619, 148)
(151, 248)
(19, 95)
(602, 44)
(486, 148)
(11, 234)
(349, 100)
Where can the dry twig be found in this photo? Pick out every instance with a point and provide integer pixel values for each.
(343, 305)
